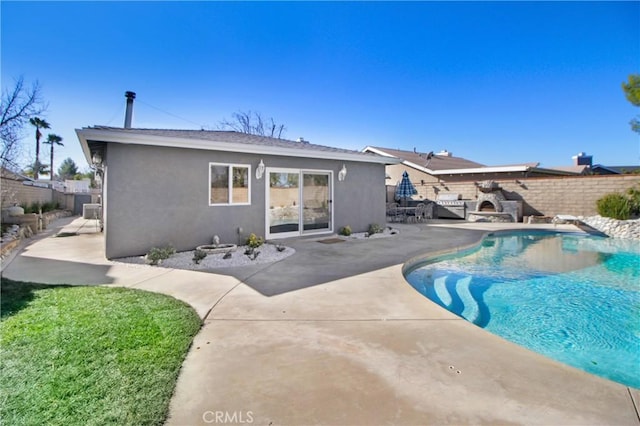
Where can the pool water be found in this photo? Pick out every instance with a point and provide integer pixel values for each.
(573, 298)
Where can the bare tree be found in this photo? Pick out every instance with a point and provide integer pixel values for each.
(254, 124)
(17, 106)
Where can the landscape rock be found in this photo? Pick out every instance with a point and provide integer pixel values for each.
(623, 229)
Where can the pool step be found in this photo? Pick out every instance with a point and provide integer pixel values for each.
(456, 296)
(471, 309)
(440, 287)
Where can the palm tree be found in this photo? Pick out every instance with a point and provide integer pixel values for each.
(31, 170)
(39, 124)
(53, 140)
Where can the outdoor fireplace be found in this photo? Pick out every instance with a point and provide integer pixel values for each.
(490, 198)
(492, 206)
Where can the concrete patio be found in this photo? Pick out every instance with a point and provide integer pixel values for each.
(333, 335)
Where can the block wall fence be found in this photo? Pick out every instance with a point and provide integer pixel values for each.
(13, 191)
(575, 195)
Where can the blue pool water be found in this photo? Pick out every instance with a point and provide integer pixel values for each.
(573, 298)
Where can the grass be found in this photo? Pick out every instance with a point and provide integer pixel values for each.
(89, 355)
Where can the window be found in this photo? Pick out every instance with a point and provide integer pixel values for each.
(229, 184)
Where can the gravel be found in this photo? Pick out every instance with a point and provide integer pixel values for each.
(184, 260)
(268, 254)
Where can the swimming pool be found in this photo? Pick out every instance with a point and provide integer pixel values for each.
(571, 297)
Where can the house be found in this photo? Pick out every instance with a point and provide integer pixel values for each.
(181, 187)
(75, 186)
(426, 169)
(443, 166)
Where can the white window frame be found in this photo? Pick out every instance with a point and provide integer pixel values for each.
(230, 167)
(300, 231)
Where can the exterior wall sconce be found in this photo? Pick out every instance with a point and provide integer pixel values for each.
(342, 174)
(96, 159)
(260, 170)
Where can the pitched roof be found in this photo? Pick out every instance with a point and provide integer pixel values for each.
(570, 169)
(9, 174)
(441, 165)
(617, 169)
(221, 140)
(435, 163)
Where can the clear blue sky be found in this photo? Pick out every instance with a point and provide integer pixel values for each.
(498, 83)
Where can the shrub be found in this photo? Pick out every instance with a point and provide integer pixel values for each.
(634, 199)
(31, 208)
(374, 228)
(198, 255)
(615, 206)
(345, 230)
(157, 254)
(254, 241)
(35, 207)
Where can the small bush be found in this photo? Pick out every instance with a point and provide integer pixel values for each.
(374, 228)
(36, 207)
(31, 208)
(254, 241)
(157, 254)
(198, 255)
(615, 206)
(50, 206)
(346, 231)
(634, 199)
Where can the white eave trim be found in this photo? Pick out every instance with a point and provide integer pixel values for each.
(98, 135)
(379, 152)
(496, 169)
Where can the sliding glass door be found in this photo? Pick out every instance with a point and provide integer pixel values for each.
(298, 202)
(316, 207)
(283, 203)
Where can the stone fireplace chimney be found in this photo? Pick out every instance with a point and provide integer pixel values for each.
(129, 111)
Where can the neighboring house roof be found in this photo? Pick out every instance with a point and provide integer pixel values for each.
(435, 163)
(219, 141)
(8, 174)
(578, 170)
(598, 168)
(439, 165)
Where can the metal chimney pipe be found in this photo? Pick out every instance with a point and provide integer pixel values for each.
(129, 111)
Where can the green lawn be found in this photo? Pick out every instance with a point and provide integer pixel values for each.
(89, 355)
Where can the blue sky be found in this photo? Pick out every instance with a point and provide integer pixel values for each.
(495, 82)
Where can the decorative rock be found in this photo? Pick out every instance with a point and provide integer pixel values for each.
(624, 229)
(217, 248)
(15, 211)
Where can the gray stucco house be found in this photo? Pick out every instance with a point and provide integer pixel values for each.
(181, 187)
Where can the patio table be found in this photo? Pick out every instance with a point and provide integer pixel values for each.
(407, 212)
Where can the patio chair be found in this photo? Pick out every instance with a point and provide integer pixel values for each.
(393, 213)
(421, 212)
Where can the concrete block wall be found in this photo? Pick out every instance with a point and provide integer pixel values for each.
(65, 201)
(15, 191)
(575, 195)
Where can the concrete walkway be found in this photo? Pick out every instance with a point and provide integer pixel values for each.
(334, 335)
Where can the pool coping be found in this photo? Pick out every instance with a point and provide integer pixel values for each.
(394, 355)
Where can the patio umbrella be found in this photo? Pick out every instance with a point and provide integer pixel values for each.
(405, 188)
